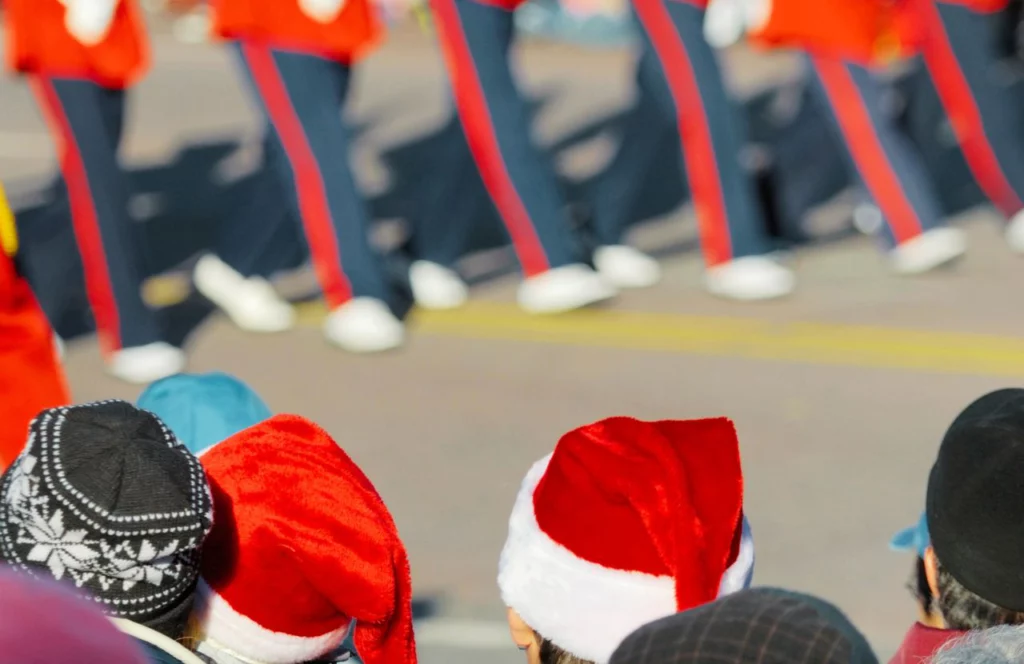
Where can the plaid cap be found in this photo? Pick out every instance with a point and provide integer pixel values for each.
(760, 626)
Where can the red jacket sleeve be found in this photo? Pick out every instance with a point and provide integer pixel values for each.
(354, 33)
(865, 31)
(31, 378)
(37, 42)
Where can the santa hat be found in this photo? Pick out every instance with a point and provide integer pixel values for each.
(302, 546)
(626, 522)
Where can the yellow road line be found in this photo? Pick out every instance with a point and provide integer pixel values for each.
(814, 343)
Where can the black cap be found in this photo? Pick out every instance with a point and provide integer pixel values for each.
(975, 503)
(759, 626)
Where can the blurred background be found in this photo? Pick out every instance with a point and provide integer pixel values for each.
(840, 393)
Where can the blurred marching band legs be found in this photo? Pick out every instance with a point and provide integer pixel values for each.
(571, 255)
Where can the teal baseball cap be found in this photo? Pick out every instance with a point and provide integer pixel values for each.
(913, 538)
(204, 409)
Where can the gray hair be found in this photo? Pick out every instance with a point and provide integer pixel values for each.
(998, 645)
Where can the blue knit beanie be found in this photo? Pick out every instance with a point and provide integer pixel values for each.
(204, 409)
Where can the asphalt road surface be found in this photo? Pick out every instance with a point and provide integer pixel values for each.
(840, 393)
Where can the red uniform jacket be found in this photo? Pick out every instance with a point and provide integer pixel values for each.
(281, 23)
(38, 43)
(31, 379)
(864, 31)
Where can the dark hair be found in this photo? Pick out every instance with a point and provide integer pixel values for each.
(919, 586)
(963, 610)
(552, 654)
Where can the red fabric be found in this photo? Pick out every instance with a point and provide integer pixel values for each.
(858, 130)
(282, 24)
(694, 132)
(309, 181)
(662, 498)
(965, 116)
(509, 5)
(864, 31)
(98, 284)
(302, 543)
(922, 642)
(38, 43)
(31, 378)
(981, 6)
(475, 114)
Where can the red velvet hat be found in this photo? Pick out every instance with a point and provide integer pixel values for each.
(626, 522)
(301, 546)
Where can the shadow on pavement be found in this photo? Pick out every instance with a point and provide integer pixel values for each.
(187, 205)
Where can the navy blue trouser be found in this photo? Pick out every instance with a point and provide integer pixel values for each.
(87, 120)
(262, 234)
(301, 96)
(519, 177)
(959, 52)
(680, 72)
(880, 153)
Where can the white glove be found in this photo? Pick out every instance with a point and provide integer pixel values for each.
(89, 21)
(757, 13)
(322, 11)
(724, 22)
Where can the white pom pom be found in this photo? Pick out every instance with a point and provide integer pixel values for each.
(322, 11)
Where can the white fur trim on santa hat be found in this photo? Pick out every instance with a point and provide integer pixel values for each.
(237, 635)
(580, 606)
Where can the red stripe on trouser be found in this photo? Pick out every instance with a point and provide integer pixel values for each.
(864, 145)
(695, 135)
(84, 221)
(964, 115)
(471, 102)
(309, 182)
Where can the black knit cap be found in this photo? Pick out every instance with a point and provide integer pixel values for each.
(105, 497)
(758, 626)
(975, 505)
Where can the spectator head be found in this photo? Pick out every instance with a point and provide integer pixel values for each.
(975, 505)
(303, 551)
(625, 522)
(43, 623)
(106, 498)
(204, 409)
(997, 645)
(759, 626)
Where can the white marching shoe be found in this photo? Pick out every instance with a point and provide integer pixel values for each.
(251, 303)
(929, 250)
(750, 278)
(435, 286)
(145, 364)
(1015, 233)
(364, 325)
(623, 266)
(563, 289)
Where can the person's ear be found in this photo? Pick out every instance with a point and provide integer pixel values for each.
(524, 637)
(931, 571)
